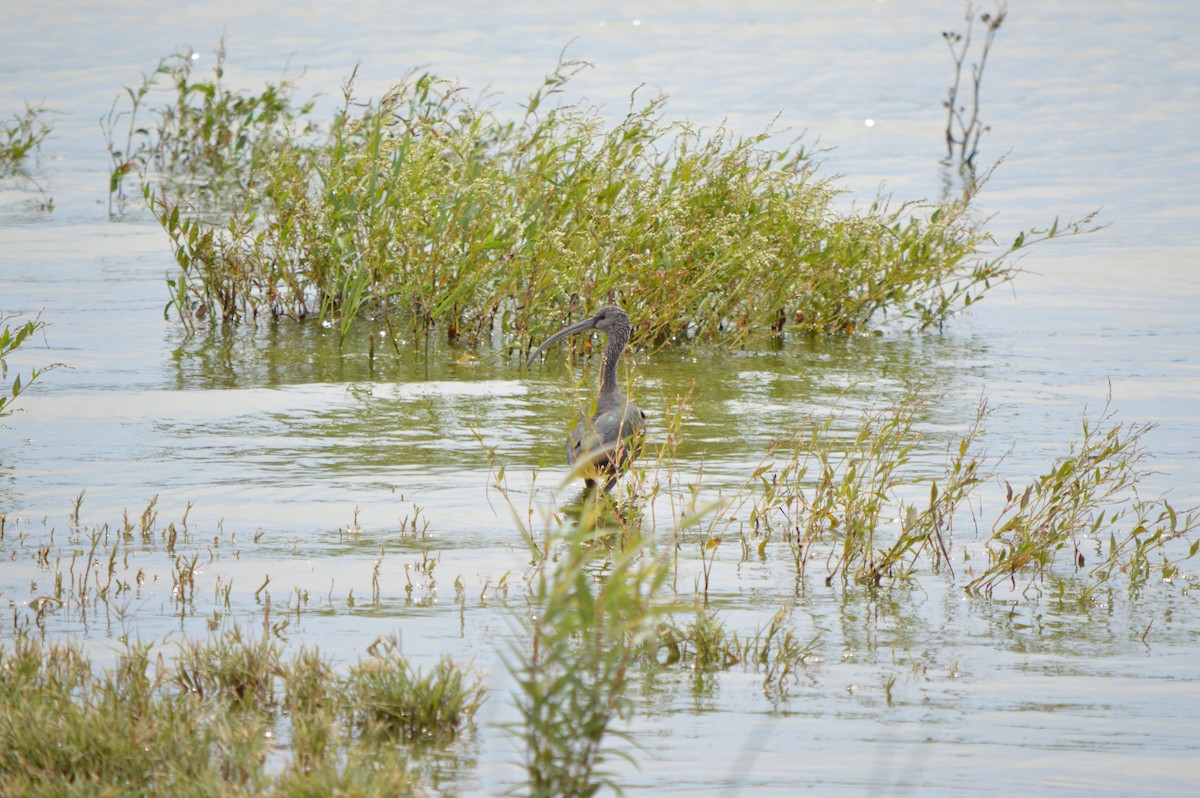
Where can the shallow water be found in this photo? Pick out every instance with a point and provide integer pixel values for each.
(281, 435)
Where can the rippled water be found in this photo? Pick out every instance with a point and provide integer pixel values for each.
(281, 435)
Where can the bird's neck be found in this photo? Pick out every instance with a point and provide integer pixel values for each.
(608, 366)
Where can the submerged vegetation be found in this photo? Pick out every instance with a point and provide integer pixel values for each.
(427, 208)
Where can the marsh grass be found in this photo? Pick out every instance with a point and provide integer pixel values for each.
(393, 701)
(853, 511)
(229, 715)
(243, 713)
(847, 499)
(839, 491)
(706, 647)
(431, 211)
(859, 495)
(236, 671)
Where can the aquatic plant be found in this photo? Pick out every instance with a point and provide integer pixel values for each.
(209, 136)
(964, 130)
(237, 713)
(22, 135)
(1088, 507)
(230, 668)
(835, 491)
(228, 716)
(845, 493)
(591, 616)
(423, 208)
(392, 700)
(12, 336)
(705, 646)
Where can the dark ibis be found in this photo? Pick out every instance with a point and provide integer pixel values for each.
(609, 437)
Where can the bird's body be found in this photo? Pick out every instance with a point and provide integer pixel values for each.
(609, 436)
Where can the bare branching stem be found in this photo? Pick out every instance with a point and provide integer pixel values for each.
(964, 130)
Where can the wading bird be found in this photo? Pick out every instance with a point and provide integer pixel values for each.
(607, 438)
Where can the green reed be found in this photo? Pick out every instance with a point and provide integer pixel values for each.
(432, 212)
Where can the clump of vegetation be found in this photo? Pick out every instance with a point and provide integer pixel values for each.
(427, 208)
(1088, 507)
(392, 700)
(705, 646)
(847, 495)
(22, 135)
(856, 477)
(229, 716)
(233, 670)
(840, 492)
(963, 128)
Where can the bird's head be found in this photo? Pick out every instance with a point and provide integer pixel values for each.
(611, 320)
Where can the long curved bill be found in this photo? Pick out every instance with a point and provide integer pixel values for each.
(579, 326)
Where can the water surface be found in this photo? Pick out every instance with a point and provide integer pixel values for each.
(336, 461)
